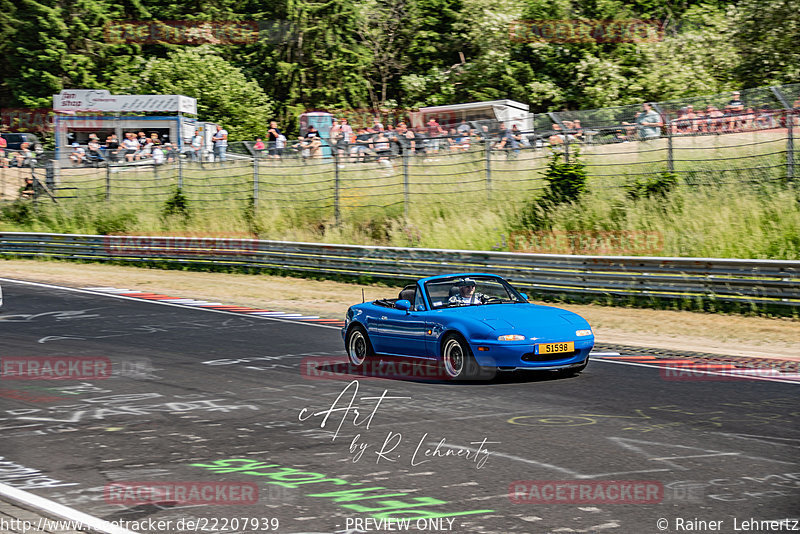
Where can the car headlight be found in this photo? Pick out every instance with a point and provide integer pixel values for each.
(580, 333)
(511, 337)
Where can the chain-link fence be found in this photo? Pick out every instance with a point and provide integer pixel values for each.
(753, 140)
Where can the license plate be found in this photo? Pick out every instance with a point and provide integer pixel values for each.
(554, 348)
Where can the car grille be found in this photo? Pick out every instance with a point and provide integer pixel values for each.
(531, 357)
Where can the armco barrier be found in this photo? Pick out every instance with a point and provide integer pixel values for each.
(758, 282)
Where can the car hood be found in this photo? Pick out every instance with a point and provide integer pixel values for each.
(515, 317)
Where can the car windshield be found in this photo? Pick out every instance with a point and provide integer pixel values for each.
(470, 291)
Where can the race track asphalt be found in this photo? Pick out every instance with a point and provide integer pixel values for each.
(199, 396)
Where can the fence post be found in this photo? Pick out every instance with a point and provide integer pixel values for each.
(180, 173)
(488, 150)
(670, 162)
(255, 182)
(336, 215)
(405, 180)
(108, 181)
(790, 146)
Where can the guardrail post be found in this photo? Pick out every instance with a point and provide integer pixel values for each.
(336, 214)
(405, 181)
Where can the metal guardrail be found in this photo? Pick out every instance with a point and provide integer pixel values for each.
(757, 282)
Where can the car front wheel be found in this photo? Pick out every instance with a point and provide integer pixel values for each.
(359, 347)
(457, 360)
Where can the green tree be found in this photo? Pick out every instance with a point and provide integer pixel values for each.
(224, 94)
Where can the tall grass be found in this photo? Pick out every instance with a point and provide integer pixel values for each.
(731, 201)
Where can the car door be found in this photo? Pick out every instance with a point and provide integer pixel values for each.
(401, 332)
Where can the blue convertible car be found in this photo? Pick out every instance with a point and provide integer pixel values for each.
(465, 322)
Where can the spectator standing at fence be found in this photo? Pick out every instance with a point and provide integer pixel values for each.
(196, 146)
(220, 144)
(155, 139)
(434, 131)
(335, 137)
(377, 125)
(463, 128)
(273, 133)
(157, 153)
(142, 139)
(259, 147)
(649, 123)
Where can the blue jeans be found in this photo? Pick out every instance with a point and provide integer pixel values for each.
(219, 152)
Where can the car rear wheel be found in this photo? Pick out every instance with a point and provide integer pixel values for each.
(359, 347)
(457, 360)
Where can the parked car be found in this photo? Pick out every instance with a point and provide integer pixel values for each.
(466, 322)
(15, 140)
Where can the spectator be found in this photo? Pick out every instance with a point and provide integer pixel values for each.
(220, 144)
(142, 139)
(434, 131)
(259, 147)
(77, 155)
(196, 146)
(314, 142)
(405, 138)
(377, 125)
(382, 149)
(28, 191)
(274, 132)
(131, 146)
(3, 143)
(147, 150)
(112, 147)
(347, 134)
(335, 137)
(391, 136)
(464, 128)
(364, 144)
(26, 157)
(156, 152)
(558, 137)
(649, 123)
(170, 152)
(154, 137)
(93, 149)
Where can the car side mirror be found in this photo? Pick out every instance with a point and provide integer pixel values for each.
(524, 295)
(402, 305)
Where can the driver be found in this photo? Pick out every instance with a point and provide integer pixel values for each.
(466, 293)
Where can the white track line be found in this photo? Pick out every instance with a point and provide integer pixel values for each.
(183, 306)
(65, 513)
(698, 371)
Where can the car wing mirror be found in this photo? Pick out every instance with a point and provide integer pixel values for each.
(524, 296)
(403, 305)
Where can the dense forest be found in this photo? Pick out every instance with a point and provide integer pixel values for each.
(351, 54)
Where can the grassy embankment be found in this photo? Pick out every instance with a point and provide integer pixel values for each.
(731, 201)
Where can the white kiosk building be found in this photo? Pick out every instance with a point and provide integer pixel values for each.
(75, 118)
